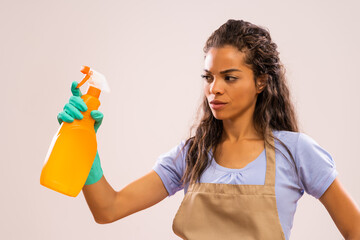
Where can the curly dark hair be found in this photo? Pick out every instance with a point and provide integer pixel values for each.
(273, 110)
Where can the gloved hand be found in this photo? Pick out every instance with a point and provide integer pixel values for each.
(72, 111)
(75, 105)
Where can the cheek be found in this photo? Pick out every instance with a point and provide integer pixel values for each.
(206, 88)
(243, 96)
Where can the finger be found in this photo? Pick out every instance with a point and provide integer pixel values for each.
(75, 91)
(73, 111)
(59, 118)
(63, 116)
(79, 103)
(97, 115)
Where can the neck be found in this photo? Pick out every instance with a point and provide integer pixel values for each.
(240, 128)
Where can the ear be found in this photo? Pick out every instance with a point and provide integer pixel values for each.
(261, 82)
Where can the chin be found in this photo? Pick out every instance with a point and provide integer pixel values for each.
(218, 116)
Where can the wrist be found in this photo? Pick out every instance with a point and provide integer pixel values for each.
(96, 171)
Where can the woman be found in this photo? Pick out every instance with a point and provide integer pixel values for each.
(246, 166)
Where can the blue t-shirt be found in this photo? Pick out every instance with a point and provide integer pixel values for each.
(315, 166)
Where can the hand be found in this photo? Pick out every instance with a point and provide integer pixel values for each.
(76, 104)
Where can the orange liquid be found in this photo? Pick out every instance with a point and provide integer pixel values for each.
(71, 153)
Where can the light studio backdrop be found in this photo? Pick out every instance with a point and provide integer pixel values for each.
(151, 54)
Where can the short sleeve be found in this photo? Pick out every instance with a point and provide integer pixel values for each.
(170, 167)
(317, 169)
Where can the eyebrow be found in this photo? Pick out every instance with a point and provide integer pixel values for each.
(225, 71)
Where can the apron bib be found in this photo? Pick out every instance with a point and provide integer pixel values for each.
(213, 211)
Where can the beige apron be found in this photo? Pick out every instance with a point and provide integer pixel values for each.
(228, 211)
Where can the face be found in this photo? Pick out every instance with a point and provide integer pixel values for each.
(229, 80)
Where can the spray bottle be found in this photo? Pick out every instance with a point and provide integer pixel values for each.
(73, 148)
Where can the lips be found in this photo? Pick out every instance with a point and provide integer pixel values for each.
(217, 102)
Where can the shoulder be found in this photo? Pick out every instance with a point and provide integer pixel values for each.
(299, 143)
(286, 135)
(289, 138)
(294, 139)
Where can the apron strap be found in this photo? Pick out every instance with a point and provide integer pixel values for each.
(270, 161)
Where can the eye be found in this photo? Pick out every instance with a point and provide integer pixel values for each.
(230, 78)
(206, 77)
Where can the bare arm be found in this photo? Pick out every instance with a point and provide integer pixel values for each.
(99, 197)
(108, 205)
(343, 210)
(138, 195)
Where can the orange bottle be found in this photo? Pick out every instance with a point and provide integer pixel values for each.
(73, 148)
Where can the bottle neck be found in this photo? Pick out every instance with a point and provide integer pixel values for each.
(93, 91)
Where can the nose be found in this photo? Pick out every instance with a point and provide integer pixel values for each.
(216, 86)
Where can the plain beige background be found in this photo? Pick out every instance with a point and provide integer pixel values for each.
(151, 54)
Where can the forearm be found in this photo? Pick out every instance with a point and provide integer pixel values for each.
(354, 234)
(100, 198)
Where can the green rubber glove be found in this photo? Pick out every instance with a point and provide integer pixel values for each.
(96, 171)
(76, 104)
(71, 111)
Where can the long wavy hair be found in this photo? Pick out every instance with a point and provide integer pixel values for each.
(273, 110)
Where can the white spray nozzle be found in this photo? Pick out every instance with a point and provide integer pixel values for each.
(94, 79)
(99, 81)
